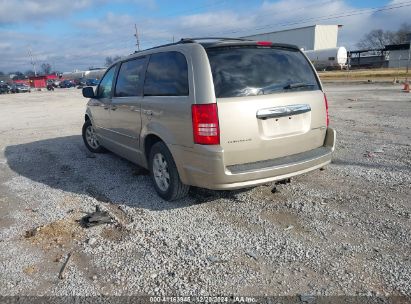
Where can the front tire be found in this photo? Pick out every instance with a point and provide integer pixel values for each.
(90, 138)
(164, 174)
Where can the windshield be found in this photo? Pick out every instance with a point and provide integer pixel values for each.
(247, 71)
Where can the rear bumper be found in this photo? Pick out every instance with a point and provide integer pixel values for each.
(204, 166)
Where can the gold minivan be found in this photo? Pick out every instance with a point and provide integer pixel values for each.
(214, 113)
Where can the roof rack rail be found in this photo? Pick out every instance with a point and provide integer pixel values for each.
(188, 40)
(158, 46)
(193, 40)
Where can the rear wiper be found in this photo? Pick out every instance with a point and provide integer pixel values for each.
(298, 85)
(270, 88)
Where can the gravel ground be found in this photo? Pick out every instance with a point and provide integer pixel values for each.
(345, 230)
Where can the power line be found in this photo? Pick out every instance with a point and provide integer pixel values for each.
(121, 40)
(335, 16)
(121, 43)
(321, 18)
(219, 24)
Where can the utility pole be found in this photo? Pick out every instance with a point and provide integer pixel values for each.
(32, 61)
(409, 54)
(137, 39)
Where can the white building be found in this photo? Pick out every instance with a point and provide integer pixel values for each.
(315, 37)
(398, 55)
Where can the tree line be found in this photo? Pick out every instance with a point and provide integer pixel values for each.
(377, 39)
(45, 69)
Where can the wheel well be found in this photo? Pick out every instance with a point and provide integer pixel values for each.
(86, 117)
(149, 141)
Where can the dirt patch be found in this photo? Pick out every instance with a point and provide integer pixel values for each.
(284, 220)
(30, 270)
(60, 233)
(119, 214)
(114, 234)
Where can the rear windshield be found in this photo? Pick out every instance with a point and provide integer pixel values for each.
(248, 71)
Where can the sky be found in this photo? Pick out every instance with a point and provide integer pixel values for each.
(78, 34)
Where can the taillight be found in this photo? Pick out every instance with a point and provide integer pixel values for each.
(326, 109)
(205, 124)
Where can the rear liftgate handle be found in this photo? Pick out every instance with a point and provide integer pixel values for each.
(283, 111)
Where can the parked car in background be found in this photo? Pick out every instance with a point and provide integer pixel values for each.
(53, 82)
(221, 114)
(67, 84)
(4, 88)
(92, 82)
(81, 83)
(87, 82)
(50, 86)
(20, 88)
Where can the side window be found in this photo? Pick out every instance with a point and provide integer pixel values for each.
(129, 78)
(167, 75)
(104, 88)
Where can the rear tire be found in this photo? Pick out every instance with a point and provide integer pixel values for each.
(90, 139)
(164, 174)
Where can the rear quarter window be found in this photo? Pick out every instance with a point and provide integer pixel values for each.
(248, 71)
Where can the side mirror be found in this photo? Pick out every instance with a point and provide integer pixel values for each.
(88, 92)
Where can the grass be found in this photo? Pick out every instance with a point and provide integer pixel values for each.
(379, 74)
